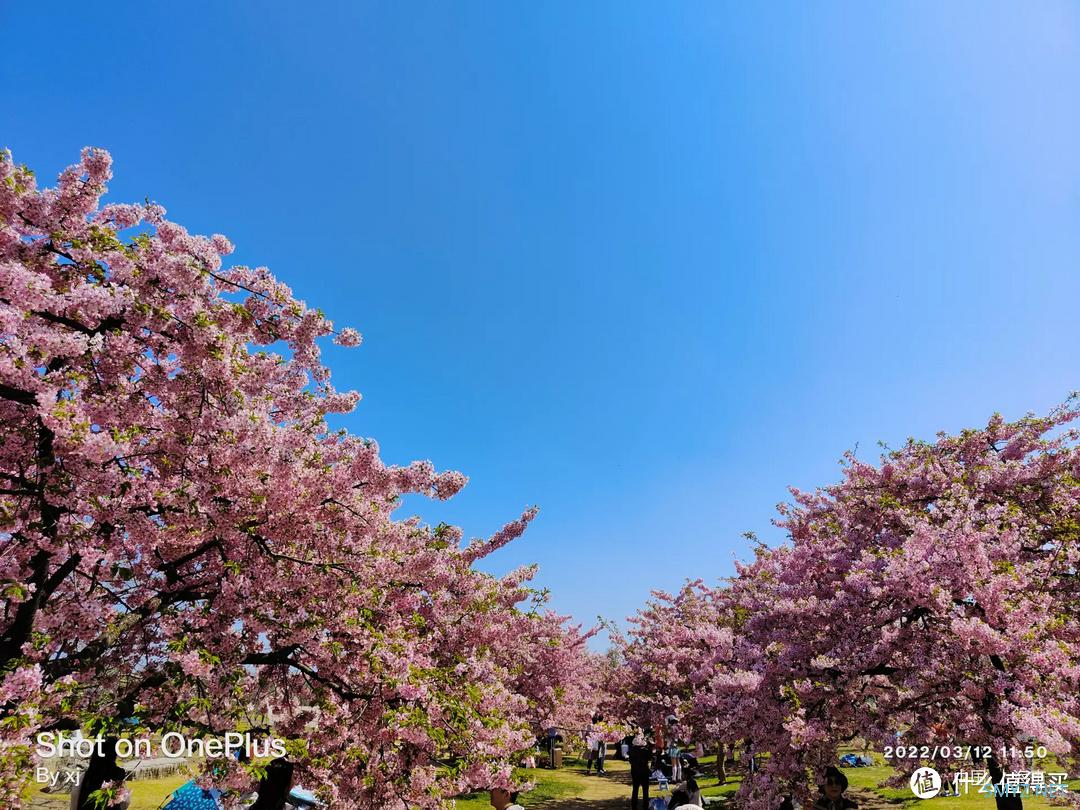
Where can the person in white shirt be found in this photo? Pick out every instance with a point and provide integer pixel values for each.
(594, 738)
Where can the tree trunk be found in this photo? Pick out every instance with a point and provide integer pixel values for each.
(1013, 802)
(721, 763)
(101, 768)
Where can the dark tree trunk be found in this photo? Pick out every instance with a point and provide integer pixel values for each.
(101, 768)
(1003, 802)
(721, 763)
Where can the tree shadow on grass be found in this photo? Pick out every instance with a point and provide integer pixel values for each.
(46, 801)
(869, 800)
(615, 785)
(582, 804)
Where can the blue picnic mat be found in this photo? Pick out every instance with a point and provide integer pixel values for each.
(190, 796)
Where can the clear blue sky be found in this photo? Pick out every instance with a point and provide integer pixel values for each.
(642, 264)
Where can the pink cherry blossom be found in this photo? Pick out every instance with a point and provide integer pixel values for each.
(186, 541)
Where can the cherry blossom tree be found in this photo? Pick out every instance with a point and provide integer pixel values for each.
(605, 682)
(185, 541)
(551, 668)
(933, 595)
(684, 656)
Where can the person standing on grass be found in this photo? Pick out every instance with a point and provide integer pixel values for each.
(553, 737)
(674, 754)
(640, 762)
(594, 738)
(503, 799)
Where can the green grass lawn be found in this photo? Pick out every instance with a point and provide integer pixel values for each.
(570, 782)
(566, 782)
(710, 785)
(870, 778)
(550, 785)
(146, 794)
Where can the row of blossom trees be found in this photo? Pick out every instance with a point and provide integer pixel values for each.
(185, 543)
(935, 595)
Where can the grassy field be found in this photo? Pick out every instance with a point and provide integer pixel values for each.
(561, 784)
(146, 794)
(570, 782)
(870, 778)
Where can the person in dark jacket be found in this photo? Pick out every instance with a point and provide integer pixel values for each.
(640, 761)
(832, 792)
(679, 798)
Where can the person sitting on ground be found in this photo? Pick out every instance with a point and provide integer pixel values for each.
(692, 790)
(661, 766)
(832, 792)
(679, 798)
(503, 799)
